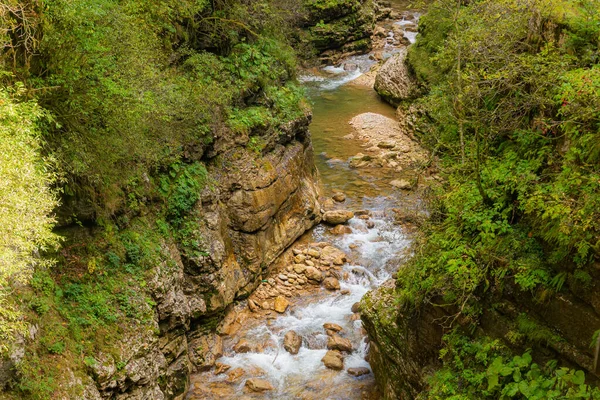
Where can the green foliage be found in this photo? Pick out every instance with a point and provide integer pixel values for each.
(181, 188)
(481, 369)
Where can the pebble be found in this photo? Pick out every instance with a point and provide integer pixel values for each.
(283, 277)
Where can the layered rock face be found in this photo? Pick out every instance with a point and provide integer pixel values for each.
(256, 206)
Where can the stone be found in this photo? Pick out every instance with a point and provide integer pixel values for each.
(360, 371)
(386, 144)
(313, 274)
(314, 253)
(292, 342)
(345, 291)
(339, 260)
(299, 268)
(379, 31)
(341, 230)
(355, 317)
(331, 283)
(265, 305)
(339, 197)
(297, 251)
(281, 304)
(402, 184)
(283, 277)
(370, 224)
(258, 385)
(252, 305)
(299, 259)
(333, 360)
(205, 350)
(309, 263)
(336, 342)
(221, 368)
(394, 82)
(242, 346)
(235, 374)
(350, 67)
(333, 327)
(336, 217)
(356, 307)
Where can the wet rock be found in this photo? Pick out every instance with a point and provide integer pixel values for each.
(221, 368)
(205, 350)
(355, 307)
(292, 342)
(341, 230)
(386, 144)
(331, 283)
(333, 360)
(339, 197)
(355, 317)
(345, 291)
(362, 212)
(327, 204)
(281, 304)
(313, 274)
(394, 81)
(336, 342)
(299, 268)
(360, 371)
(283, 277)
(337, 216)
(333, 327)
(297, 251)
(242, 346)
(379, 31)
(402, 184)
(350, 67)
(339, 260)
(258, 385)
(235, 374)
(370, 224)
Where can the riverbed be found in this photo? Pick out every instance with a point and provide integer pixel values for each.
(373, 246)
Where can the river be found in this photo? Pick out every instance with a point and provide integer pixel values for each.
(374, 248)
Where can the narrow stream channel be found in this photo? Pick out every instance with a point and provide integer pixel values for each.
(375, 248)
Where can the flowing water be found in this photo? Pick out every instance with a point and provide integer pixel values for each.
(374, 251)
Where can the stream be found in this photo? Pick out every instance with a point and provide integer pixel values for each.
(374, 248)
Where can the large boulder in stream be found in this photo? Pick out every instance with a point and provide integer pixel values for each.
(394, 81)
(336, 342)
(333, 360)
(337, 217)
(258, 385)
(292, 342)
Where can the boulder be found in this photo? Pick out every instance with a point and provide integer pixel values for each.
(394, 82)
(313, 274)
(402, 184)
(341, 230)
(292, 342)
(360, 371)
(333, 327)
(337, 217)
(242, 346)
(281, 304)
(355, 307)
(331, 283)
(334, 360)
(258, 385)
(339, 197)
(336, 342)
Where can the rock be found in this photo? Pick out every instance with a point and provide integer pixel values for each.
(331, 283)
(355, 307)
(336, 342)
(205, 351)
(355, 317)
(313, 253)
(265, 305)
(327, 204)
(221, 368)
(292, 342)
(339, 260)
(333, 327)
(258, 385)
(313, 274)
(379, 31)
(339, 197)
(242, 346)
(299, 259)
(402, 184)
(386, 144)
(299, 268)
(360, 371)
(297, 251)
(394, 81)
(281, 304)
(341, 230)
(283, 277)
(345, 291)
(235, 374)
(337, 216)
(370, 224)
(350, 67)
(334, 360)
(252, 305)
